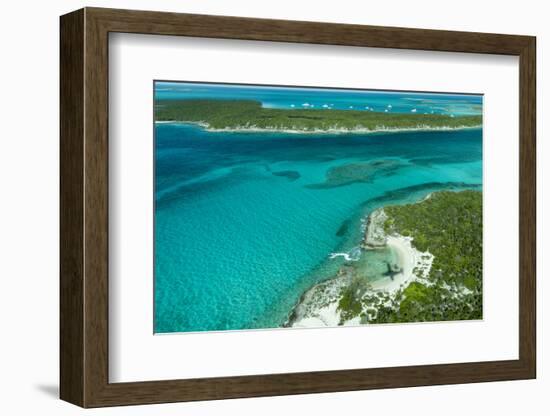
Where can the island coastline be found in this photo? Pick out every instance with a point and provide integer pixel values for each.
(322, 305)
(379, 129)
(250, 116)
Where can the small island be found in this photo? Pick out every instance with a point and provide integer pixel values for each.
(437, 275)
(249, 115)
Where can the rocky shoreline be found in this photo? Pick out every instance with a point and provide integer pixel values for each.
(322, 305)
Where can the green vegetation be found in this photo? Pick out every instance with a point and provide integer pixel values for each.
(422, 303)
(449, 226)
(243, 114)
(350, 304)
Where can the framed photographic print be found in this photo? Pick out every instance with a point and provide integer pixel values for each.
(259, 207)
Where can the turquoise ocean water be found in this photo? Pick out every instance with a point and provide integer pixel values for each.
(245, 222)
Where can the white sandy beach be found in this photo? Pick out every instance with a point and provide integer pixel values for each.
(319, 307)
(409, 259)
(325, 316)
(335, 130)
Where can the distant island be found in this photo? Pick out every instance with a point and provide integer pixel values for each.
(250, 115)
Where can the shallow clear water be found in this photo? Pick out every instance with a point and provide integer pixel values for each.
(245, 222)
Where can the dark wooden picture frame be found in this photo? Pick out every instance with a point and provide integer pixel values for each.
(84, 207)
